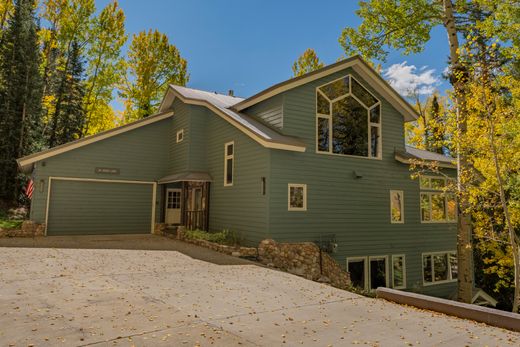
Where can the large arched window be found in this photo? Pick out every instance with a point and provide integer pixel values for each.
(348, 119)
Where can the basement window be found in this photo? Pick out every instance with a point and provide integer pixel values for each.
(398, 271)
(378, 272)
(356, 268)
(439, 267)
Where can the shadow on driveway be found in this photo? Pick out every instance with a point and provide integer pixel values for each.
(136, 242)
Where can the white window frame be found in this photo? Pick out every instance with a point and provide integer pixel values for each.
(180, 135)
(296, 185)
(387, 272)
(403, 256)
(365, 269)
(370, 124)
(434, 191)
(450, 275)
(400, 192)
(226, 158)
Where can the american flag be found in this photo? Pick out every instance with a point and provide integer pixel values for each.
(29, 189)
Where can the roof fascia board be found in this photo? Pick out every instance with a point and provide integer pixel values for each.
(30, 159)
(260, 140)
(287, 85)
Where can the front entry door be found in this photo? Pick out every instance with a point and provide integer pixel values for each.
(173, 206)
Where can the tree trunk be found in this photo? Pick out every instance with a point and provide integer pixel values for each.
(503, 200)
(464, 244)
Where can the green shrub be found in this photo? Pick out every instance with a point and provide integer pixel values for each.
(224, 237)
(10, 224)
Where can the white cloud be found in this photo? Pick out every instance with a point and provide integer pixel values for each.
(406, 80)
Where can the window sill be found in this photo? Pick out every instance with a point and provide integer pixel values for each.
(348, 155)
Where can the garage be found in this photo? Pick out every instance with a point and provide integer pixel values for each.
(99, 207)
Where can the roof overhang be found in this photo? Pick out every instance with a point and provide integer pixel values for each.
(191, 176)
(407, 158)
(370, 75)
(26, 163)
(283, 142)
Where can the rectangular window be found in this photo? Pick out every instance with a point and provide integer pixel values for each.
(229, 165)
(378, 272)
(398, 271)
(397, 206)
(439, 267)
(438, 205)
(297, 197)
(180, 135)
(357, 270)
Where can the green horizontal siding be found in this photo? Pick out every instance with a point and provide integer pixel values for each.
(355, 210)
(93, 208)
(269, 111)
(141, 154)
(241, 207)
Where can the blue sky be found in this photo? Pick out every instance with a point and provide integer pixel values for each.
(250, 45)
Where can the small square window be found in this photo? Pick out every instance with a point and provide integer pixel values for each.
(297, 197)
(180, 135)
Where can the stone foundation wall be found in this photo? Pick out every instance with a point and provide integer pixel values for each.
(28, 229)
(159, 229)
(303, 259)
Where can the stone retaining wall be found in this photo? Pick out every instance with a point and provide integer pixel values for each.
(28, 229)
(303, 259)
(235, 251)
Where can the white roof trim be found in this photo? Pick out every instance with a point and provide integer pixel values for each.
(254, 135)
(367, 72)
(31, 159)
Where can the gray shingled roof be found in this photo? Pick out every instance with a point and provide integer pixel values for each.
(421, 154)
(223, 103)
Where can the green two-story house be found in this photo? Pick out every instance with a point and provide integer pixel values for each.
(317, 157)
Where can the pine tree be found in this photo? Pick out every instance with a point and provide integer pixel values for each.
(69, 116)
(20, 95)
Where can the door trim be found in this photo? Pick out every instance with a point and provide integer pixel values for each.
(51, 178)
(166, 203)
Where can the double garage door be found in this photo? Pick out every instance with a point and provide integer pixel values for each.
(90, 207)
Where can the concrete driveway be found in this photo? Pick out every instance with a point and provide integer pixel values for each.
(107, 297)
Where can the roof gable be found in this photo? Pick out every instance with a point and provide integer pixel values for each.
(221, 105)
(357, 64)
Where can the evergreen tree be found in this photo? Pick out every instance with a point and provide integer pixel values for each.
(20, 95)
(69, 116)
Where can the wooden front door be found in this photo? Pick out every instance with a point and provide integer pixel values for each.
(196, 205)
(173, 206)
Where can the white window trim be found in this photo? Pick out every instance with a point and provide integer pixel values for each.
(181, 133)
(329, 117)
(296, 185)
(402, 206)
(436, 192)
(226, 157)
(365, 268)
(450, 276)
(404, 271)
(387, 272)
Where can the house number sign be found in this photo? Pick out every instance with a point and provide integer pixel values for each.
(107, 170)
